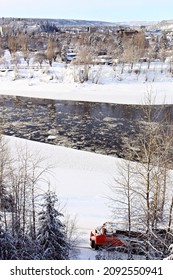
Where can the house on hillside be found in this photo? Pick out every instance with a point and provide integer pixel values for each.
(70, 55)
(129, 33)
(103, 60)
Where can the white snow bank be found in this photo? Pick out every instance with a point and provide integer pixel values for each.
(122, 93)
(113, 84)
(80, 179)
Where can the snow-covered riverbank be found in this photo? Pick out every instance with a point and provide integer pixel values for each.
(122, 93)
(113, 86)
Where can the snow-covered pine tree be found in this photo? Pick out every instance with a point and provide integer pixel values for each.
(51, 234)
(7, 245)
(170, 250)
(27, 248)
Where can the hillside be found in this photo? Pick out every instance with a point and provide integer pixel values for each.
(164, 25)
(76, 22)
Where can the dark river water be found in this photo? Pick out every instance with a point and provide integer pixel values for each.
(89, 126)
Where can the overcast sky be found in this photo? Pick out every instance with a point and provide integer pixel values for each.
(106, 10)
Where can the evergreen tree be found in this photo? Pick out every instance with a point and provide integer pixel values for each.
(7, 245)
(51, 233)
(26, 247)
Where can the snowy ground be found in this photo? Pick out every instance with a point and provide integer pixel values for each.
(80, 179)
(105, 84)
(120, 92)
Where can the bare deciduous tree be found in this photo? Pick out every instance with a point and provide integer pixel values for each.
(39, 58)
(150, 185)
(12, 44)
(73, 236)
(50, 52)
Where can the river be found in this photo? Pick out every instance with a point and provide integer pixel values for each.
(90, 126)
